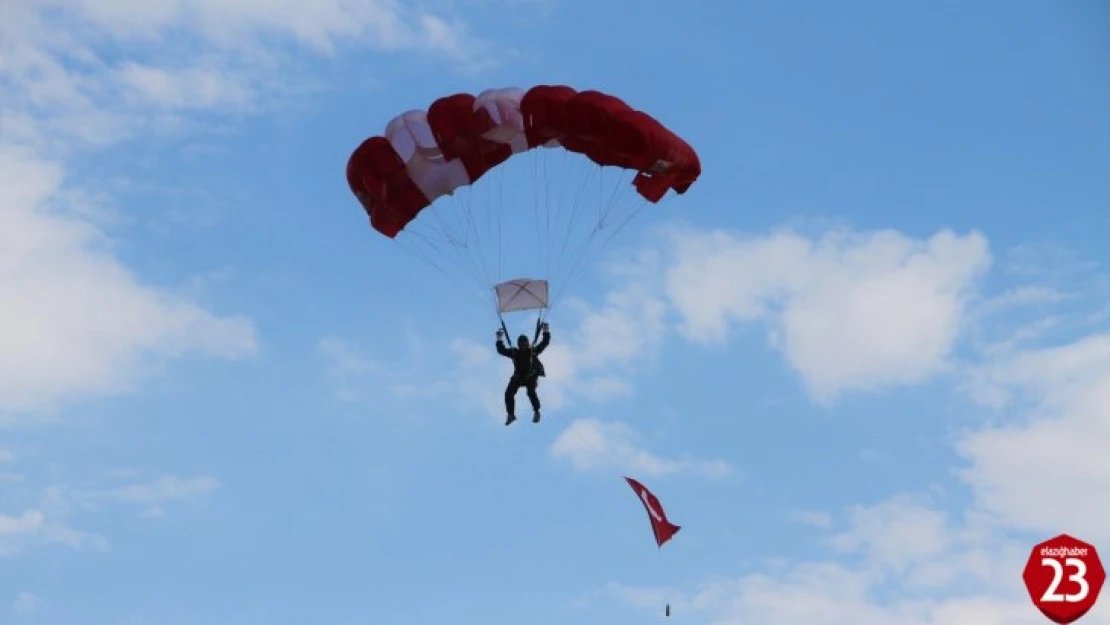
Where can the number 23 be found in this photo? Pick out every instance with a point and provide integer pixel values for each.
(1079, 577)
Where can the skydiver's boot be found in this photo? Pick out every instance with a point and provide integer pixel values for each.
(509, 419)
(536, 415)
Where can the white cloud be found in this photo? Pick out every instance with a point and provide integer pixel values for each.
(1045, 467)
(153, 512)
(589, 444)
(26, 523)
(71, 67)
(895, 531)
(850, 311)
(76, 321)
(26, 602)
(166, 488)
(154, 495)
(188, 88)
(351, 374)
(6, 457)
(812, 518)
(35, 526)
(48, 522)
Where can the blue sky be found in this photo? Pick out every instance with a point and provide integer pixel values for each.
(864, 362)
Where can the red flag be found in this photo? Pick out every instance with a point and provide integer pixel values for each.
(662, 528)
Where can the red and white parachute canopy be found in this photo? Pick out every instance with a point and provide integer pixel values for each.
(423, 156)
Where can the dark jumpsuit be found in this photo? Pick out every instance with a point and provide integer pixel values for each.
(527, 370)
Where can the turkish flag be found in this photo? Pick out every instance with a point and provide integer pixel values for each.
(660, 526)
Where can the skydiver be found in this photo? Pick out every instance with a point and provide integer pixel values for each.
(527, 370)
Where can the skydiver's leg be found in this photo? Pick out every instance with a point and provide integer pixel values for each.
(510, 400)
(530, 387)
(534, 398)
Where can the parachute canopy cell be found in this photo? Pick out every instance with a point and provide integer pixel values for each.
(521, 294)
(425, 155)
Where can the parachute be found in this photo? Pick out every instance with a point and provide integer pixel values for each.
(402, 176)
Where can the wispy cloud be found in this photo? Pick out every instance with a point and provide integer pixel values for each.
(98, 72)
(896, 533)
(26, 602)
(28, 522)
(153, 495)
(35, 526)
(50, 520)
(589, 444)
(351, 374)
(163, 489)
(812, 518)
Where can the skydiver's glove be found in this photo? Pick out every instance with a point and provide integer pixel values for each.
(500, 334)
(545, 327)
